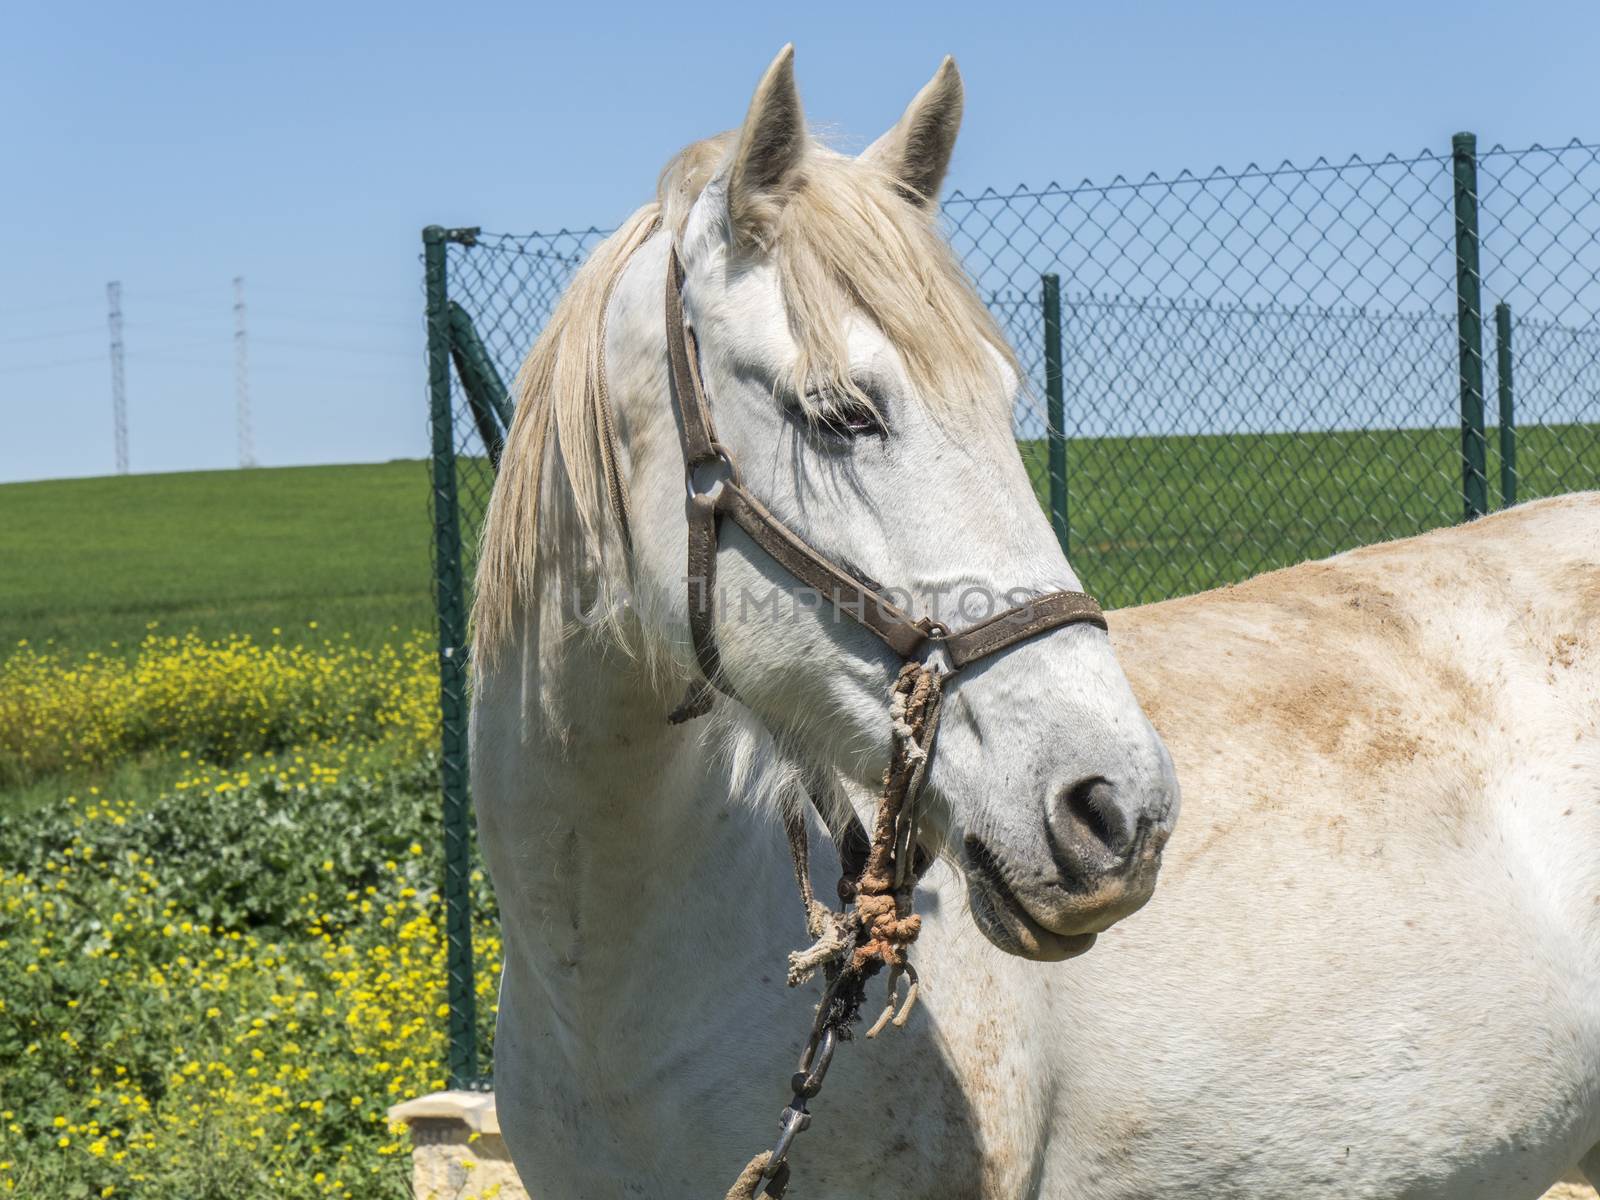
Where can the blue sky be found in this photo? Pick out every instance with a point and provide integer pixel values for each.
(174, 146)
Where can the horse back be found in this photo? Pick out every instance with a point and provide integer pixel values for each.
(1420, 699)
(1387, 871)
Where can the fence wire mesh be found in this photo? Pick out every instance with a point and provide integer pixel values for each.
(1236, 371)
(508, 285)
(1264, 366)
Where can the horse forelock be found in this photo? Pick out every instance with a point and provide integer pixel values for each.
(845, 242)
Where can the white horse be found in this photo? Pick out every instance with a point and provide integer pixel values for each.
(1375, 973)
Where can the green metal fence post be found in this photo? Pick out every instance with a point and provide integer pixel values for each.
(451, 601)
(1508, 415)
(1469, 327)
(486, 393)
(1055, 410)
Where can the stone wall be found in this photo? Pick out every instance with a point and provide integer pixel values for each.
(456, 1149)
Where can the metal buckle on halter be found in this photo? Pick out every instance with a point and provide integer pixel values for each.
(937, 633)
(723, 470)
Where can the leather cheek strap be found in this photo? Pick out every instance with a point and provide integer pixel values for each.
(703, 522)
(831, 585)
(844, 592)
(695, 428)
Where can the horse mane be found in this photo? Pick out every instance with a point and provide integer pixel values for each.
(846, 240)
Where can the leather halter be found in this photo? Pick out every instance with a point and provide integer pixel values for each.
(879, 872)
(910, 639)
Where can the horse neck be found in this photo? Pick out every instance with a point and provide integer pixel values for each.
(615, 844)
(615, 840)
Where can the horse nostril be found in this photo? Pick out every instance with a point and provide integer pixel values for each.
(1091, 809)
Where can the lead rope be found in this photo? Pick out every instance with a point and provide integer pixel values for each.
(851, 947)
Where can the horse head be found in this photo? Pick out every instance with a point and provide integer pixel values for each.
(866, 395)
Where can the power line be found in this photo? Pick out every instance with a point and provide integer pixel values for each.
(18, 368)
(204, 319)
(384, 298)
(338, 347)
(307, 372)
(180, 296)
(326, 317)
(241, 378)
(214, 341)
(209, 318)
(119, 398)
(82, 331)
(54, 306)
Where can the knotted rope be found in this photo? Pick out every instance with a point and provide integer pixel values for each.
(881, 927)
(884, 891)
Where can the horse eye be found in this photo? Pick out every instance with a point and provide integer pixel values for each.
(846, 419)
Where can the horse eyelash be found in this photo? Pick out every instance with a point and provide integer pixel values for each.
(817, 405)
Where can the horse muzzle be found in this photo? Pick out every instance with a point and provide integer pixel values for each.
(1100, 865)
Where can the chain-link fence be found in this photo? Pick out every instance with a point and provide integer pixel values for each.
(488, 296)
(1226, 373)
(1265, 366)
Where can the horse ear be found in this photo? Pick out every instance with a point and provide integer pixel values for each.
(768, 154)
(916, 152)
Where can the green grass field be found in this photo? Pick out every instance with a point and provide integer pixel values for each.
(92, 561)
